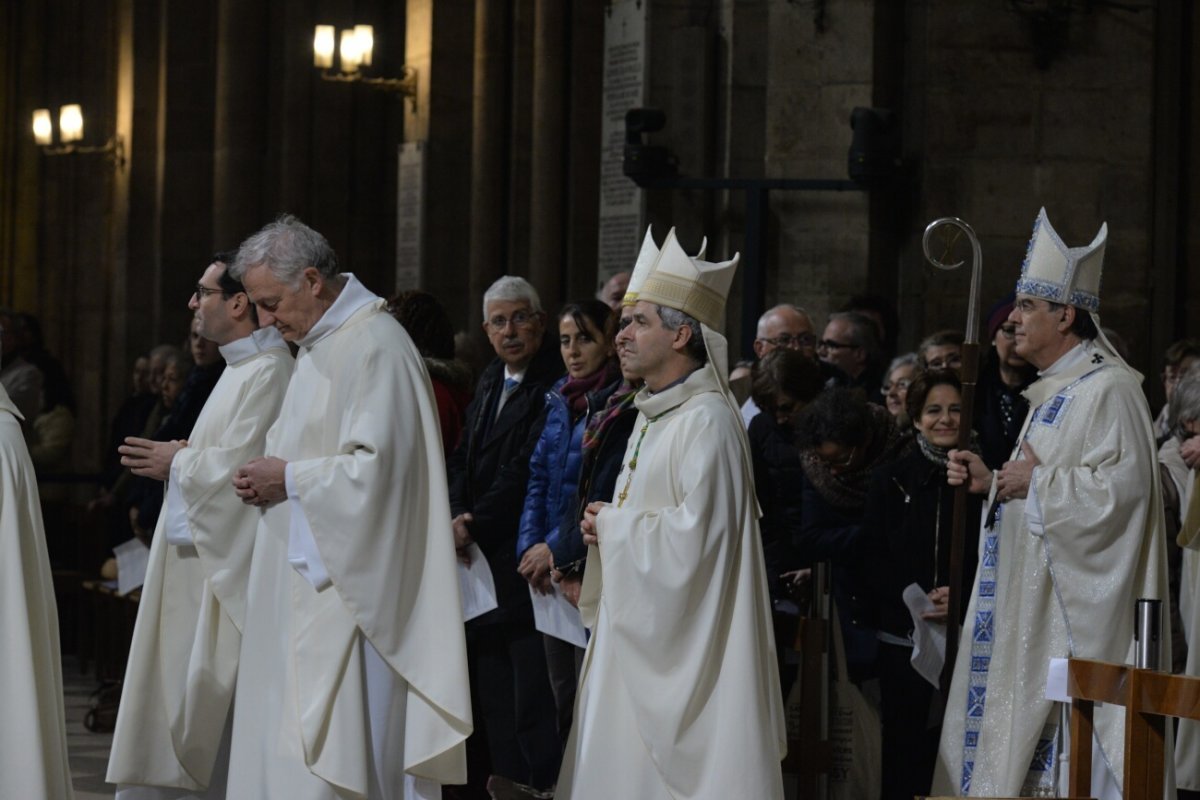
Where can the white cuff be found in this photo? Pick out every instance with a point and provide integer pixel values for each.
(176, 527)
(302, 547)
(1033, 509)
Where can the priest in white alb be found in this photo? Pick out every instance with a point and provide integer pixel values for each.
(353, 679)
(1074, 537)
(172, 734)
(679, 695)
(33, 737)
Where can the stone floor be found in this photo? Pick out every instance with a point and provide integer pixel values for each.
(88, 752)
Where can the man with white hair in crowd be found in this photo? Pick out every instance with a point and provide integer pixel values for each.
(488, 474)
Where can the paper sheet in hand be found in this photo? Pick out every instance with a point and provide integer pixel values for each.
(929, 638)
(132, 559)
(554, 616)
(476, 587)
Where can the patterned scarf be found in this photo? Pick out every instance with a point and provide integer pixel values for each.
(618, 401)
(940, 455)
(576, 390)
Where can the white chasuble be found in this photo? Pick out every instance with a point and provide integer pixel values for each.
(1059, 574)
(33, 738)
(1187, 743)
(679, 695)
(357, 688)
(183, 661)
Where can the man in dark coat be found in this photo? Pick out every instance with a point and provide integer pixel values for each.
(487, 475)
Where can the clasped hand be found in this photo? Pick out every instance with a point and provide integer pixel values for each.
(261, 482)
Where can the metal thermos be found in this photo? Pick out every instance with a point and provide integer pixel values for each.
(1147, 633)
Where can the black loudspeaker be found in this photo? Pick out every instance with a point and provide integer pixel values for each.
(875, 147)
(646, 163)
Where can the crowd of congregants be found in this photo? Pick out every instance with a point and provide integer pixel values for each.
(313, 479)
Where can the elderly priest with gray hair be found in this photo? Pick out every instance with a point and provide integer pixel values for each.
(1074, 536)
(353, 680)
(679, 696)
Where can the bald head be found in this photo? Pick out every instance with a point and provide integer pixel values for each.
(785, 325)
(613, 292)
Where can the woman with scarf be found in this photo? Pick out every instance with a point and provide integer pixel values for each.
(585, 336)
(908, 526)
(843, 438)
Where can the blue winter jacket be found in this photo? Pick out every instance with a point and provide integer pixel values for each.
(553, 473)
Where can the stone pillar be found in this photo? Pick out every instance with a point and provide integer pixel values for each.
(488, 219)
(546, 172)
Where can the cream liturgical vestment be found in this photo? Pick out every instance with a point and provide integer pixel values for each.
(184, 658)
(33, 738)
(353, 679)
(1187, 742)
(1059, 574)
(679, 695)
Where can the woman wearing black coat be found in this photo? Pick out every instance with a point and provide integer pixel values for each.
(908, 524)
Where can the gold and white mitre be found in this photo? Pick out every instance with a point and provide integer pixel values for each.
(645, 262)
(641, 268)
(696, 287)
(1061, 274)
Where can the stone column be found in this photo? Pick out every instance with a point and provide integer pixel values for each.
(546, 172)
(488, 220)
(239, 140)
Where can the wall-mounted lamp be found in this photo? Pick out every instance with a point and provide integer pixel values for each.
(70, 131)
(355, 48)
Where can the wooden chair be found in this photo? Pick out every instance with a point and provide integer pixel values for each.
(1149, 697)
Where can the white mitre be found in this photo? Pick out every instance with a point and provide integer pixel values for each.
(1068, 276)
(696, 287)
(1065, 275)
(645, 262)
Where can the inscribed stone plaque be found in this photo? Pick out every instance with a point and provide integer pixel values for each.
(625, 67)
(410, 205)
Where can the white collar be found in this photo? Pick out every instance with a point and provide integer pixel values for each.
(352, 298)
(516, 376)
(1069, 359)
(239, 350)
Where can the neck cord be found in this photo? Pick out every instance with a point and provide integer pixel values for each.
(632, 465)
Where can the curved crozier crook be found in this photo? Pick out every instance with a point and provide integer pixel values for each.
(951, 229)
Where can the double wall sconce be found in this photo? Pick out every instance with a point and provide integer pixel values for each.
(70, 132)
(355, 49)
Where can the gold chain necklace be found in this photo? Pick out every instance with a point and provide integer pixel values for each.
(632, 465)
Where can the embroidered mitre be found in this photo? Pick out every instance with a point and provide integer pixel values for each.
(1061, 274)
(696, 287)
(645, 262)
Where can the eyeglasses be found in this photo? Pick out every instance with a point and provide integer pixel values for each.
(203, 291)
(1008, 331)
(840, 463)
(900, 386)
(946, 362)
(791, 342)
(830, 344)
(521, 319)
(1025, 306)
